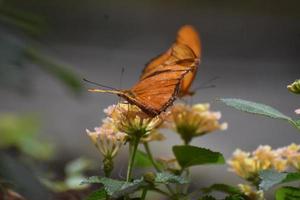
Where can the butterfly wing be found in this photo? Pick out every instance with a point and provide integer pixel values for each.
(187, 35)
(155, 93)
(185, 51)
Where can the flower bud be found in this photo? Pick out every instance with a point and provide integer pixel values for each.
(294, 87)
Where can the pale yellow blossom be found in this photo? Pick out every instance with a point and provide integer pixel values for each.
(193, 121)
(131, 120)
(107, 139)
(292, 154)
(248, 165)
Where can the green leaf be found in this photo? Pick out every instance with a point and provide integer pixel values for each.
(228, 189)
(97, 195)
(255, 108)
(166, 178)
(287, 193)
(188, 156)
(116, 188)
(60, 71)
(269, 178)
(79, 166)
(21, 131)
(142, 159)
(296, 123)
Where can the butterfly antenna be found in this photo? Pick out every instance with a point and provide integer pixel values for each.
(205, 86)
(98, 84)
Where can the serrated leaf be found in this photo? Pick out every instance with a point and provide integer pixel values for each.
(116, 188)
(188, 156)
(270, 178)
(254, 108)
(166, 178)
(228, 189)
(97, 195)
(142, 159)
(287, 193)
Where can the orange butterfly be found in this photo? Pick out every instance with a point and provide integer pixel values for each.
(189, 42)
(162, 81)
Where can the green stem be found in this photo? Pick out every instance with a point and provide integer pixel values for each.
(148, 151)
(134, 145)
(144, 194)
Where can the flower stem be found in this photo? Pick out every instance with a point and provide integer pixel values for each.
(148, 151)
(144, 194)
(134, 145)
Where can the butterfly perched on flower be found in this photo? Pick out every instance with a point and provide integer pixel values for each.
(165, 77)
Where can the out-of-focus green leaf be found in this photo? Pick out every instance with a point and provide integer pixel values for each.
(287, 193)
(269, 178)
(188, 156)
(142, 159)
(255, 108)
(166, 178)
(21, 132)
(78, 166)
(27, 22)
(61, 72)
(97, 195)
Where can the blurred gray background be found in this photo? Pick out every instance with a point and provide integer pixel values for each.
(253, 46)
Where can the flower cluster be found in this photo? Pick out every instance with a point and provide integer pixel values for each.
(291, 154)
(131, 120)
(107, 139)
(251, 193)
(247, 165)
(193, 121)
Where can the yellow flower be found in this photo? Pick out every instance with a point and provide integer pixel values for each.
(247, 165)
(242, 164)
(294, 87)
(131, 120)
(193, 121)
(107, 139)
(292, 154)
(251, 192)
